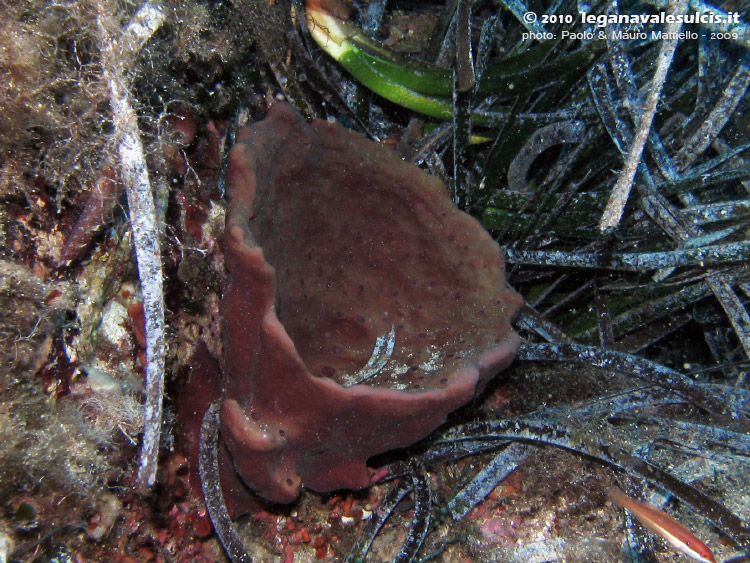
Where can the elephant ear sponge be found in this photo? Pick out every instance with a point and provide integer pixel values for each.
(332, 242)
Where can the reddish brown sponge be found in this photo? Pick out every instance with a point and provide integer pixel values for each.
(331, 242)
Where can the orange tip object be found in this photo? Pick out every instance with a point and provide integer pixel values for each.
(659, 522)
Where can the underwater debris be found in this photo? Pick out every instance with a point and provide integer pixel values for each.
(615, 207)
(146, 233)
(420, 526)
(502, 465)
(381, 354)
(716, 399)
(732, 252)
(208, 464)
